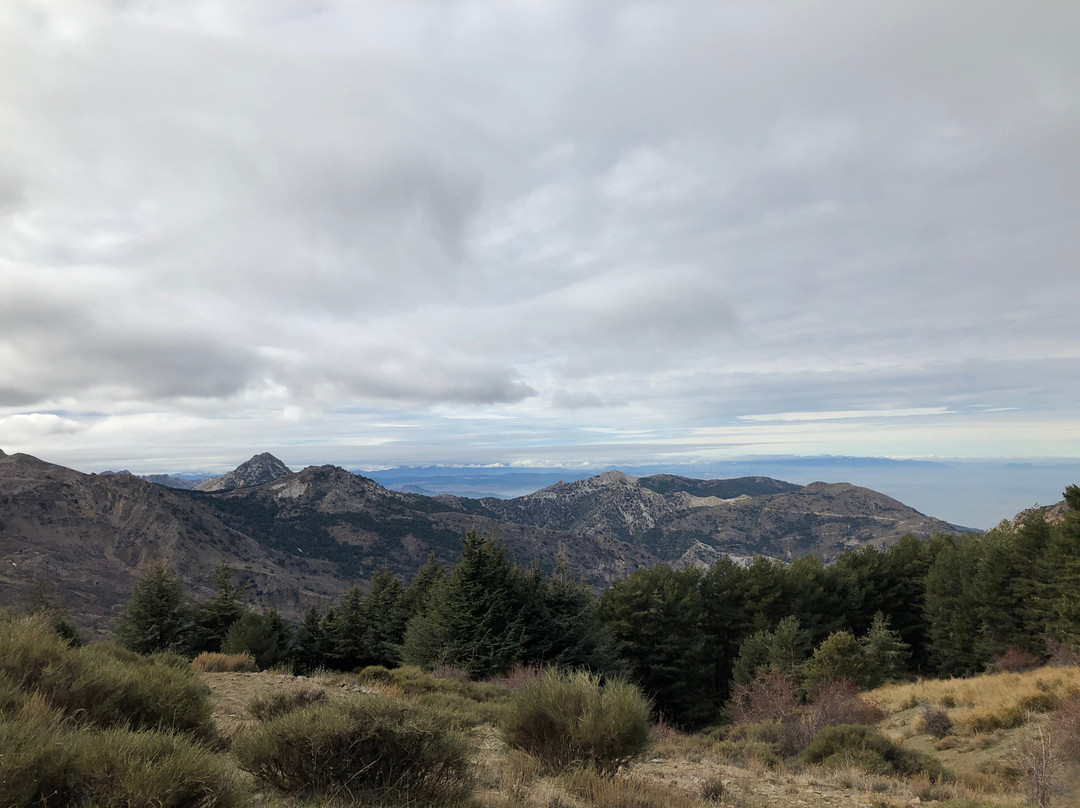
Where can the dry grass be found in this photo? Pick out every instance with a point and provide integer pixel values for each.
(984, 703)
(210, 662)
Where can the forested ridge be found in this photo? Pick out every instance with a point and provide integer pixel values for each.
(943, 606)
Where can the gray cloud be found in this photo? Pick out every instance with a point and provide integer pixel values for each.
(510, 215)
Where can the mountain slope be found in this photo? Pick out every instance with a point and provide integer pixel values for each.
(671, 516)
(86, 537)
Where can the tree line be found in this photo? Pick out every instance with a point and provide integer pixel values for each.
(944, 606)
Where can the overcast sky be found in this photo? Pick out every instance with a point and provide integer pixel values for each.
(537, 233)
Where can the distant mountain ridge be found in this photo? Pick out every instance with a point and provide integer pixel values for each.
(302, 537)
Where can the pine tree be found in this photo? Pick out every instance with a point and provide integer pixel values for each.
(475, 619)
(258, 635)
(655, 617)
(886, 653)
(309, 646)
(347, 633)
(214, 617)
(840, 658)
(385, 620)
(156, 617)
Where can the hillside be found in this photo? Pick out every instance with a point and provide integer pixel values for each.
(301, 538)
(676, 517)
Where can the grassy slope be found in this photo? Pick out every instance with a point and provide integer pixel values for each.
(681, 768)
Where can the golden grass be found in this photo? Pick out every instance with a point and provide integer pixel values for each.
(210, 662)
(984, 703)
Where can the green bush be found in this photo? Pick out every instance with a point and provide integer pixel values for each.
(377, 748)
(49, 763)
(373, 674)
(101, 685)
(566, 718)
(36, 767)
(866, 748)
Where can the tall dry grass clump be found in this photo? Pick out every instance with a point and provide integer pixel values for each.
(213, 662)
(376, 748)
(566, 718)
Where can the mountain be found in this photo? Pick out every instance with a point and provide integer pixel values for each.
(169, 481)
(85, 537)
(671, 516)
(262, 468)
(299, 539)
(1051, 513)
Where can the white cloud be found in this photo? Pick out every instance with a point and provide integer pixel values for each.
(309, 217)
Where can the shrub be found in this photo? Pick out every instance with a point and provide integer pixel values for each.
(374, 748)
(1014, 660)
(375, 674)
(101, 685)
(35, 768)
(770, 696)
(213, 662)
(1004, 718)
(565, 718)
(266, 707)
(48, 762)
(866, 748)
(836, 703)
(936, 722)
(124, 768)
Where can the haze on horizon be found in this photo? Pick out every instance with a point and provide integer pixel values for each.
(537, 234)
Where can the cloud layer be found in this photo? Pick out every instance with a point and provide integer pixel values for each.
(555, 232)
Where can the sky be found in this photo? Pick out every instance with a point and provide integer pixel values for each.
(551, 234)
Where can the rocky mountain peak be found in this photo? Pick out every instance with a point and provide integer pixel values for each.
(262, 468)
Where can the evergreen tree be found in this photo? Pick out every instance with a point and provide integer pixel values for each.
(156, 617)
(655, 617)
(475, 619)
(309, 649)
(214, 617)
(418, 593)
(563, 627)
(723, 614)
(840, 658)
(385, 620)
(262, 636)
(885, 652)
(346, 633)
(952, 609)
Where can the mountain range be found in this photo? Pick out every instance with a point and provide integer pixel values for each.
(300, 538)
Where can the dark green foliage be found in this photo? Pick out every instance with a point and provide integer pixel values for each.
(265, 637)
(386, 618)
(885, 655)
(563, 719)
(375, 749)
(952, 609)
(782, 649)
(212, 619)
(346, 632)
(866, 748)
(476, 619)
(309, 648)
(156, 617)
(655, 616)
(840, 658)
